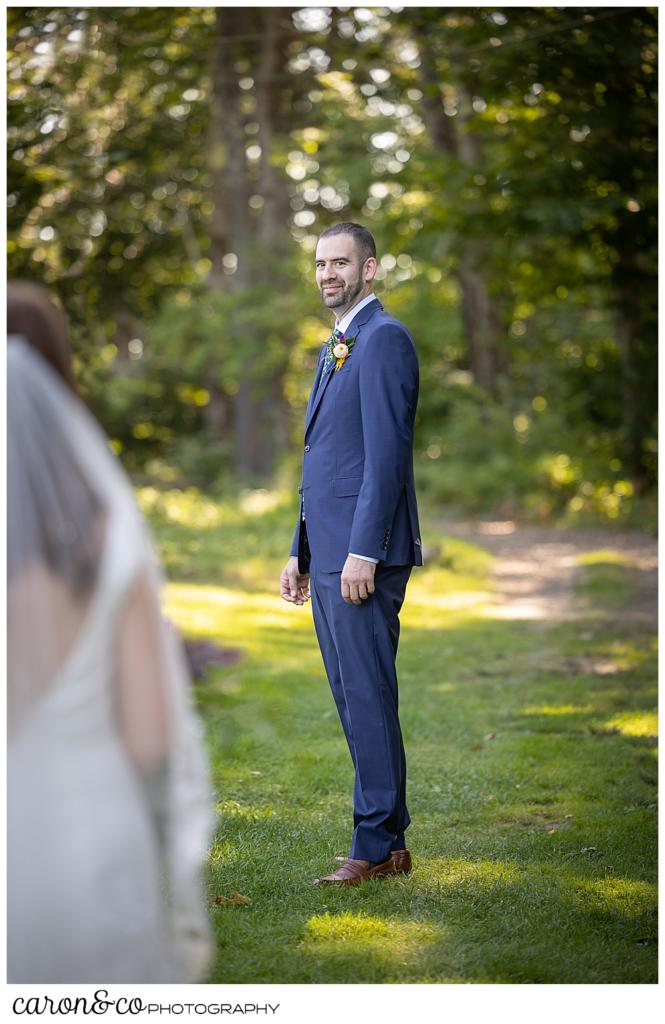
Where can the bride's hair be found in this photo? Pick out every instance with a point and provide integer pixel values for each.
(65, 531)
(32, 314)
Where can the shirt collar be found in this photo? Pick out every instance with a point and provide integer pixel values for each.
(341, 325)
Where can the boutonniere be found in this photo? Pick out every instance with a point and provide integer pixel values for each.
(341, 349)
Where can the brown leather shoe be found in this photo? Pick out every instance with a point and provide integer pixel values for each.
(402, 861)
(353, 872)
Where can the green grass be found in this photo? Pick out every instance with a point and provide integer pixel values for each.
(532, 774)
(607, 578)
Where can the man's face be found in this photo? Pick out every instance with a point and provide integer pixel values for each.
(340, 276)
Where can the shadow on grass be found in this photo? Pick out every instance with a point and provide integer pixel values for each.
(486, 917)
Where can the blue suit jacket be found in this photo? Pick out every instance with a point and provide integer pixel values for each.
(357, 489)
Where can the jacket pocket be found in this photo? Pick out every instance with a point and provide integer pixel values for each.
(347, 485)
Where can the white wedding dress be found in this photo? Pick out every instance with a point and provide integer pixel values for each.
(109, 809)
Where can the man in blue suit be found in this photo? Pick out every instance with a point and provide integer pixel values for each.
(357, 537)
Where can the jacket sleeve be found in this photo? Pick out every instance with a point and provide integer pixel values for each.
(295, 544)
(296, 535)
(388, 378)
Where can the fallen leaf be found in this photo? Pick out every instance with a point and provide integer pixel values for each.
(232, 899)
(490, 736)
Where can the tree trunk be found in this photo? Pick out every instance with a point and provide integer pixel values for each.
(481, 314)
(637, 344)
(258, 239)
(480, 317)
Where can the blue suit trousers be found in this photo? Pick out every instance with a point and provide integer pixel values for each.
(359, 646)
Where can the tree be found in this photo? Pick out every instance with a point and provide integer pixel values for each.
(170, 170)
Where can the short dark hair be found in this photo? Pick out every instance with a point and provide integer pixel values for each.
(364, 239)
(33, 314)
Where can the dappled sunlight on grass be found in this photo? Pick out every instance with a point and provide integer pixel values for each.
(616, 895)
(427, 583)
(248, 811)
(462, 558)
(443, 687)
(603, 557)
(362, 934)
(438, 617)
(558, 709)
(634, 723)
(472, 874)
(240, 540)
(226, 596)
(530, 882)
(219, 612)
(608, 577)
(463, 600)
(458, 586)
(629, 654)
(187, 592)
(223, 851)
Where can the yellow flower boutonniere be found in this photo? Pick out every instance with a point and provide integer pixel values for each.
(341, 349)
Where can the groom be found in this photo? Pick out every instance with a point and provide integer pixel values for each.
(357, 537)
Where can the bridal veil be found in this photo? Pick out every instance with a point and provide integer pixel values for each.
(109, 807)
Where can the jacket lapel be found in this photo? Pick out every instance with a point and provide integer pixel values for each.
(317, 392)
(313, 392)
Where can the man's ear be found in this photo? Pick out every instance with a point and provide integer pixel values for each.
(370, 268)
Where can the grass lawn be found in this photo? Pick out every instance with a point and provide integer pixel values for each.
(532, 772)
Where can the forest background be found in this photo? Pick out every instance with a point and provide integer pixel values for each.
(170, 170)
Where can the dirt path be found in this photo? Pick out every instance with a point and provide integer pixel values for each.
(537, 569)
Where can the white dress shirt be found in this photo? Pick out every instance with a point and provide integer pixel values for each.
(342, 324)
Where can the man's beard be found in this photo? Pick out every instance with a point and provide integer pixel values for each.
(344, 296)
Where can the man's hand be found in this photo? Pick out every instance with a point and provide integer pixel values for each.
(294, 585)
(357, 580)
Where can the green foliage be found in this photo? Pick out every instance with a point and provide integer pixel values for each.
(235, 540)
(531, 460)
(518, 145)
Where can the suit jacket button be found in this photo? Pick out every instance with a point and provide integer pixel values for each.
(306, 447)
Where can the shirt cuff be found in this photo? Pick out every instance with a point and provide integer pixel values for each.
(365, 558)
